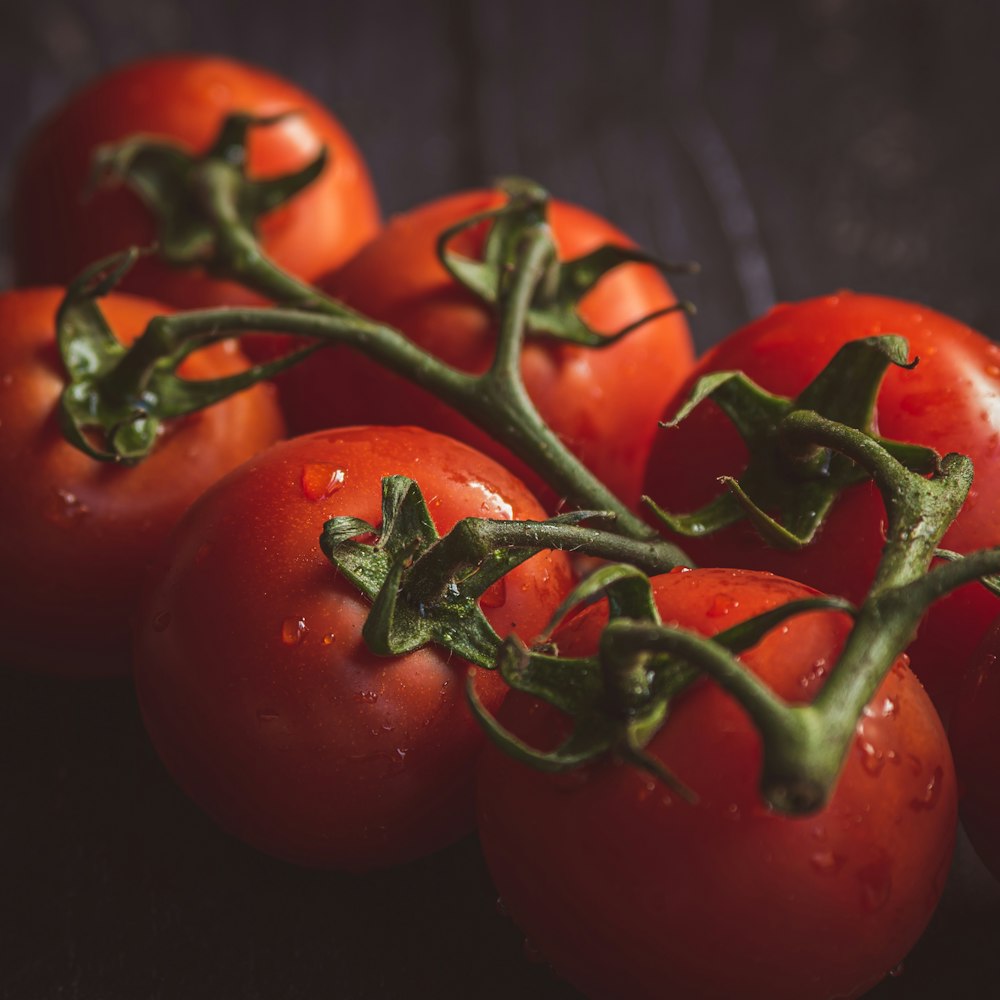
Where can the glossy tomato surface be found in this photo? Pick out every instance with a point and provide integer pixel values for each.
(631, 892)
(254, 680)
(950, 402)
(973, 733)
(76, 535)
(602, 403)
(57, 230)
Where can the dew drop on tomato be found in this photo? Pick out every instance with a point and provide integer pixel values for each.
(293, 631)
(827, 862)
(876, 884)
(928, 799)
(320, 480)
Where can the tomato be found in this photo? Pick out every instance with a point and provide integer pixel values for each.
(631, 892)
(973, 733)
(75, 534)
(602, 403)
(57, 231)
(254, 680)
(949, 402)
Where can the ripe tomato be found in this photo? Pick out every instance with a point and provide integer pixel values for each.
(254, 680)
(75, 534)
(602, 403)
(57, 231)
(949, 402)
(631, 892)
(973, 733)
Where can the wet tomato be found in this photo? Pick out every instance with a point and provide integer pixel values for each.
(255, 683)
(57, 231)
(76, 535)
(950, 402)
(630, 891)
(602, 403)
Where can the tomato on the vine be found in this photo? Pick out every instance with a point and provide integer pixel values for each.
(950, 402)
(603, 403)
(58, 228)
(76, 535)
(973, 733)
(255, 682)
(629, 891)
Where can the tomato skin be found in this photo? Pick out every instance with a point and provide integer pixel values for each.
(602, 403)
(254, 680)
(973, 733)
(630, 892)
(77, 534)
(950, 401)
(56, 231)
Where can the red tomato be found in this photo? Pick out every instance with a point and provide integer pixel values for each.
(254, 680)
(57, 232)
(78, 534)
(602, 403)
(631, 892)
(974, 741)
(950, 402)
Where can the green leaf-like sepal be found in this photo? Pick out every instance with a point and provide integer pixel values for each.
(554, 312)
(116, 399)
(789, 486)
(200, 199)
(627, 590)
(382, 569)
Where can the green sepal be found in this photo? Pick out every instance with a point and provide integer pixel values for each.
(193, 195)
(786, 491)
(619, 699)
(114, 405)
(381, 570)
(554, 311)
(739, 638)
(627, 590)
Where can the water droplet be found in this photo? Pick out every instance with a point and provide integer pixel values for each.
(161, 622)
(495, 595)
(681, 569)
(293, 631)
(930, 795)
(827, 862)
(733, 811)
(872, 760)
(502, 907)
(67, 507)
(367, 696)
(876, 885)
(721, 605)
(320, 480)
(329, 639)
(897, 971)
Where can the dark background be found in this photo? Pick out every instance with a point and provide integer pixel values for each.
(792, 148)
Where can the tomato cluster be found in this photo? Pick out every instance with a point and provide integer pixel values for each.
(200, 570)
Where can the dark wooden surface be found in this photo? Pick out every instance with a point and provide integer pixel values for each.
(792, 148)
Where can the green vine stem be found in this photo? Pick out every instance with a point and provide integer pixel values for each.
(112, 390)
(805, 745)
